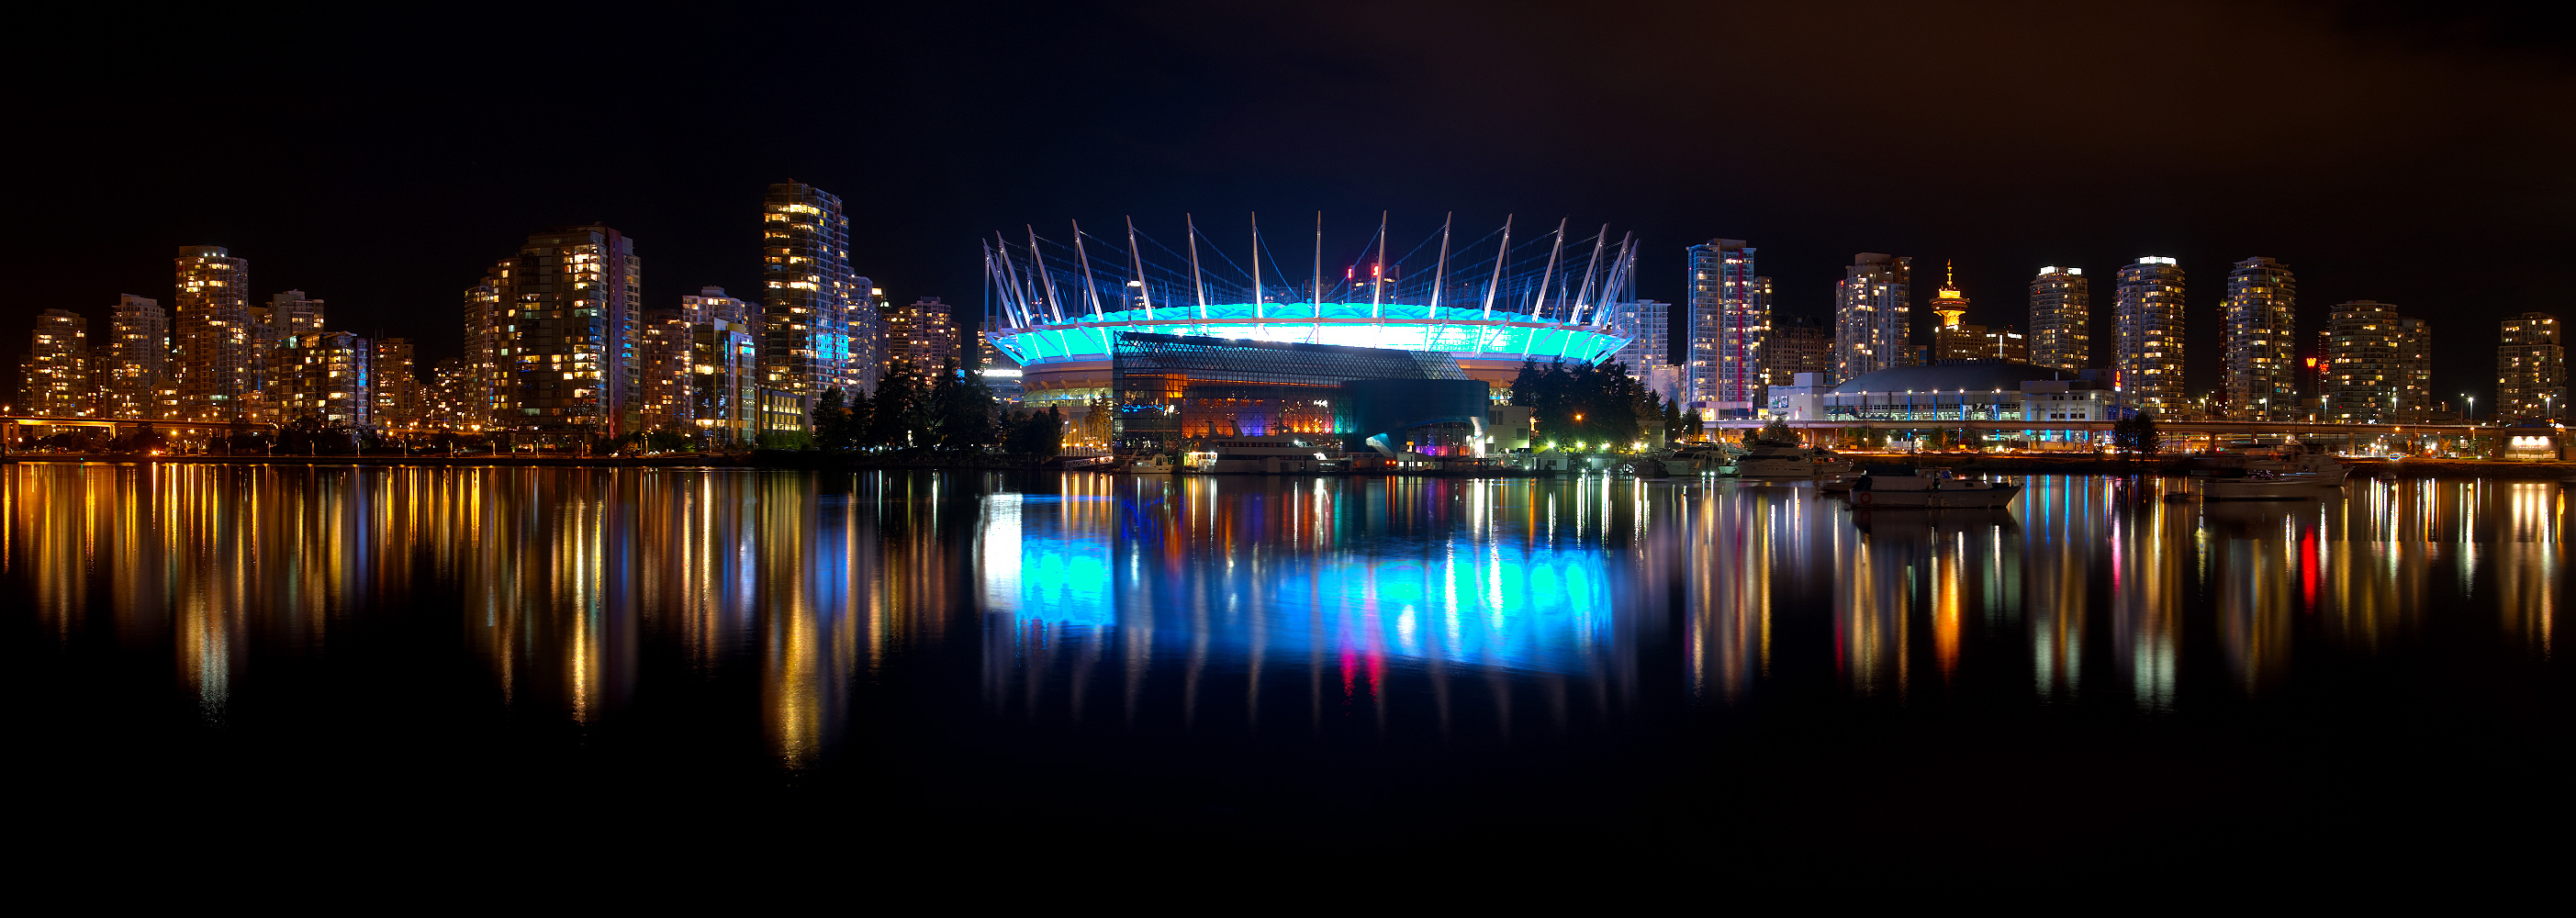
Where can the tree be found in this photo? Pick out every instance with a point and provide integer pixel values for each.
(1037, 433)
(2137, 433)
(962, 409)
(1778, 432)
(831, 422)
(894, 409)
(1674, 421)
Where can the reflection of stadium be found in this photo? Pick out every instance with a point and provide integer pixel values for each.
(1053, 309)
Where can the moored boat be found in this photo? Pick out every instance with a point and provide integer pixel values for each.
(1909, 487)
(2261, 484)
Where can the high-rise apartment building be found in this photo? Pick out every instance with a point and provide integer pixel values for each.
(664, 394)
(396, 401)
(136, 366)
(485, 394)
(921, 337)
(2415, 401)
(2531, 370)
(1799, 345)
(2262, 349)
(569, 303)
(712, 305)
(451, 399)
(724, 381)
(293, 313)
(811, 295)
(1651, 343)
(1729, 312)
(321, 376)
(2367, 378)
(56, 371)
(215, 354)
(2148, 309)
(1873, 304)
(2061, 313)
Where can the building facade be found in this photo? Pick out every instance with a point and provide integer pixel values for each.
(322, 377)
(2415, 401)
(136, 366)
(2262, 347)
(664, 398)
(1651, 348)
(2061, 315)
(1799, 345)
(811, 294)
(1873, 305)
(566, 361)
(2531, 370)
(2365, 379)
(55, 373)
(1730, 314)
(2148, 309)
(921, 338)
(724, 381)
(396, 399)
(214, 359)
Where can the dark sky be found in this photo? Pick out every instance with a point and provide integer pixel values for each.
(380, 162)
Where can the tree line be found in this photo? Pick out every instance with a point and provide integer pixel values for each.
(1592, 404)
(955, 413)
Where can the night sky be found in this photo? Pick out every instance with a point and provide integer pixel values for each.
(381, 163)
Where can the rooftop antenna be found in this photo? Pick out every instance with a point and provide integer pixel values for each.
(1089, 289)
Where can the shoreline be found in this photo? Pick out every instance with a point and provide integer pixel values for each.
(2010, 465)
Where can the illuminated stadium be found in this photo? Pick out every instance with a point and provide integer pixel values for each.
(1488, 301)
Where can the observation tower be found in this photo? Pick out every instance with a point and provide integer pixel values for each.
(1053, 307)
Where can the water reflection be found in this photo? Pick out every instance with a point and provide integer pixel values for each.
(1359, 606)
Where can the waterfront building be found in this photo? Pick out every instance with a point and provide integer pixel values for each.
(215, 359)
(2262, 364)
(724, 381)
(2531, 370)
(1730, 310)
(2148, 308)
(320, 376)
(396, 401)
(486, 328)
(136, 366)
(811, 294)
(1872, 304)
(2061, 313)
(452, 397)
(56, 369)
(1963, 390)
(923, 337)
(2415, 401)
(2366, 376)
(1799, 345)
(663, 397)
(568, 307)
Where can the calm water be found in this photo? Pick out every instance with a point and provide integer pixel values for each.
(1746, 665)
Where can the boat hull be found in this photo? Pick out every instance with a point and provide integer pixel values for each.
(1938, 498)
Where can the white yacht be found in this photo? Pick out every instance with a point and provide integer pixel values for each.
(1156, 464)
(1908, 487)
(1276, 455)
(2293, 459)
(1773, 460)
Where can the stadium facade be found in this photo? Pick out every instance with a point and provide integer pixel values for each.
(1055, 308)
